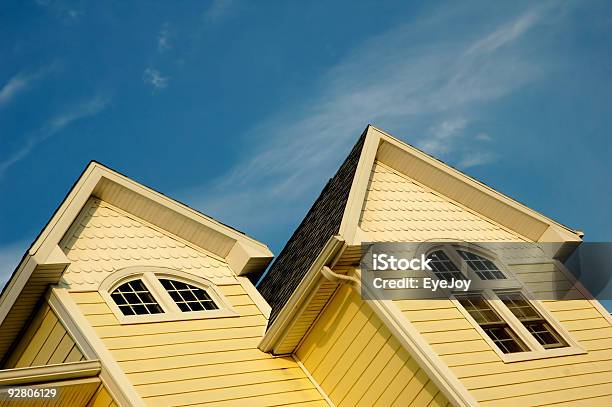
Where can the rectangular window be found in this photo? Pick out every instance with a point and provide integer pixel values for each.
(494, 326)
(532, 320)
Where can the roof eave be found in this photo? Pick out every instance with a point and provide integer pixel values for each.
(299, 298)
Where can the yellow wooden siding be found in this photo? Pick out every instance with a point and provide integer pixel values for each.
(209, 361)
(45, 342)
(105, 239)
(357, 362)
(398, 209)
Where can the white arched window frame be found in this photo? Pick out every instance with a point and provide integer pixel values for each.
(452, 252)
(150, 277)
(491, 290)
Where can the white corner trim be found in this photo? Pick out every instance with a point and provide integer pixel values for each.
(359, 187)
(117, 383)
(256, 296)
(425, 356)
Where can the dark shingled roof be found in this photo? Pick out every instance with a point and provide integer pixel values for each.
(321, 222)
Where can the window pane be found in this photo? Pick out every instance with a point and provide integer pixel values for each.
(532, 320)
(133, 298)
(443, 267)
(545, 335)
(494, 326)
(519, 306)
(484, 268)
(188, 297)
(505, 339)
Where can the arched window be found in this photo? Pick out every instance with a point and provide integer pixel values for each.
(188, 297)
(133, 298)
(483, 267)
(449, 261)
(149, 294)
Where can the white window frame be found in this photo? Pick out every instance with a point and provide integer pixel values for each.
(171, 312)
(488, 289)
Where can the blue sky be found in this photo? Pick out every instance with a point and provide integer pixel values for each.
(244, 109)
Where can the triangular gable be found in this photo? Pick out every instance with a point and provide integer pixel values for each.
(44, 262)
(399, 209)
(458, 187)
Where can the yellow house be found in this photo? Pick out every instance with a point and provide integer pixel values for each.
(129, 298)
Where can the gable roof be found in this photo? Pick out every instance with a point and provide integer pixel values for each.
(323, 250)
(337, 210)
(44, 262)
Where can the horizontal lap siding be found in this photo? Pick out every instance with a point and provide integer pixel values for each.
(195, 362)
(565, 379)
(357, 362)
(44, 342)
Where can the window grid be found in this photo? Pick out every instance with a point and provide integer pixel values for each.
(484, 268)
(133, 298)
(532, 320)
(443, 267)
(492, 324)
(505, 339)
(187, 297)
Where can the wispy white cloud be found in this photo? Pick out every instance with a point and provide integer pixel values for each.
(507, 33)
(73, 14)
(483, 137)
(441, 136)
(154, 78)
(87, 108)
(430, 90)
(10, 254)
(475, 158)
(63, 10)
(218, 10)
(20, 82)
(14, 86)
(163, 38)
(450, 138)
